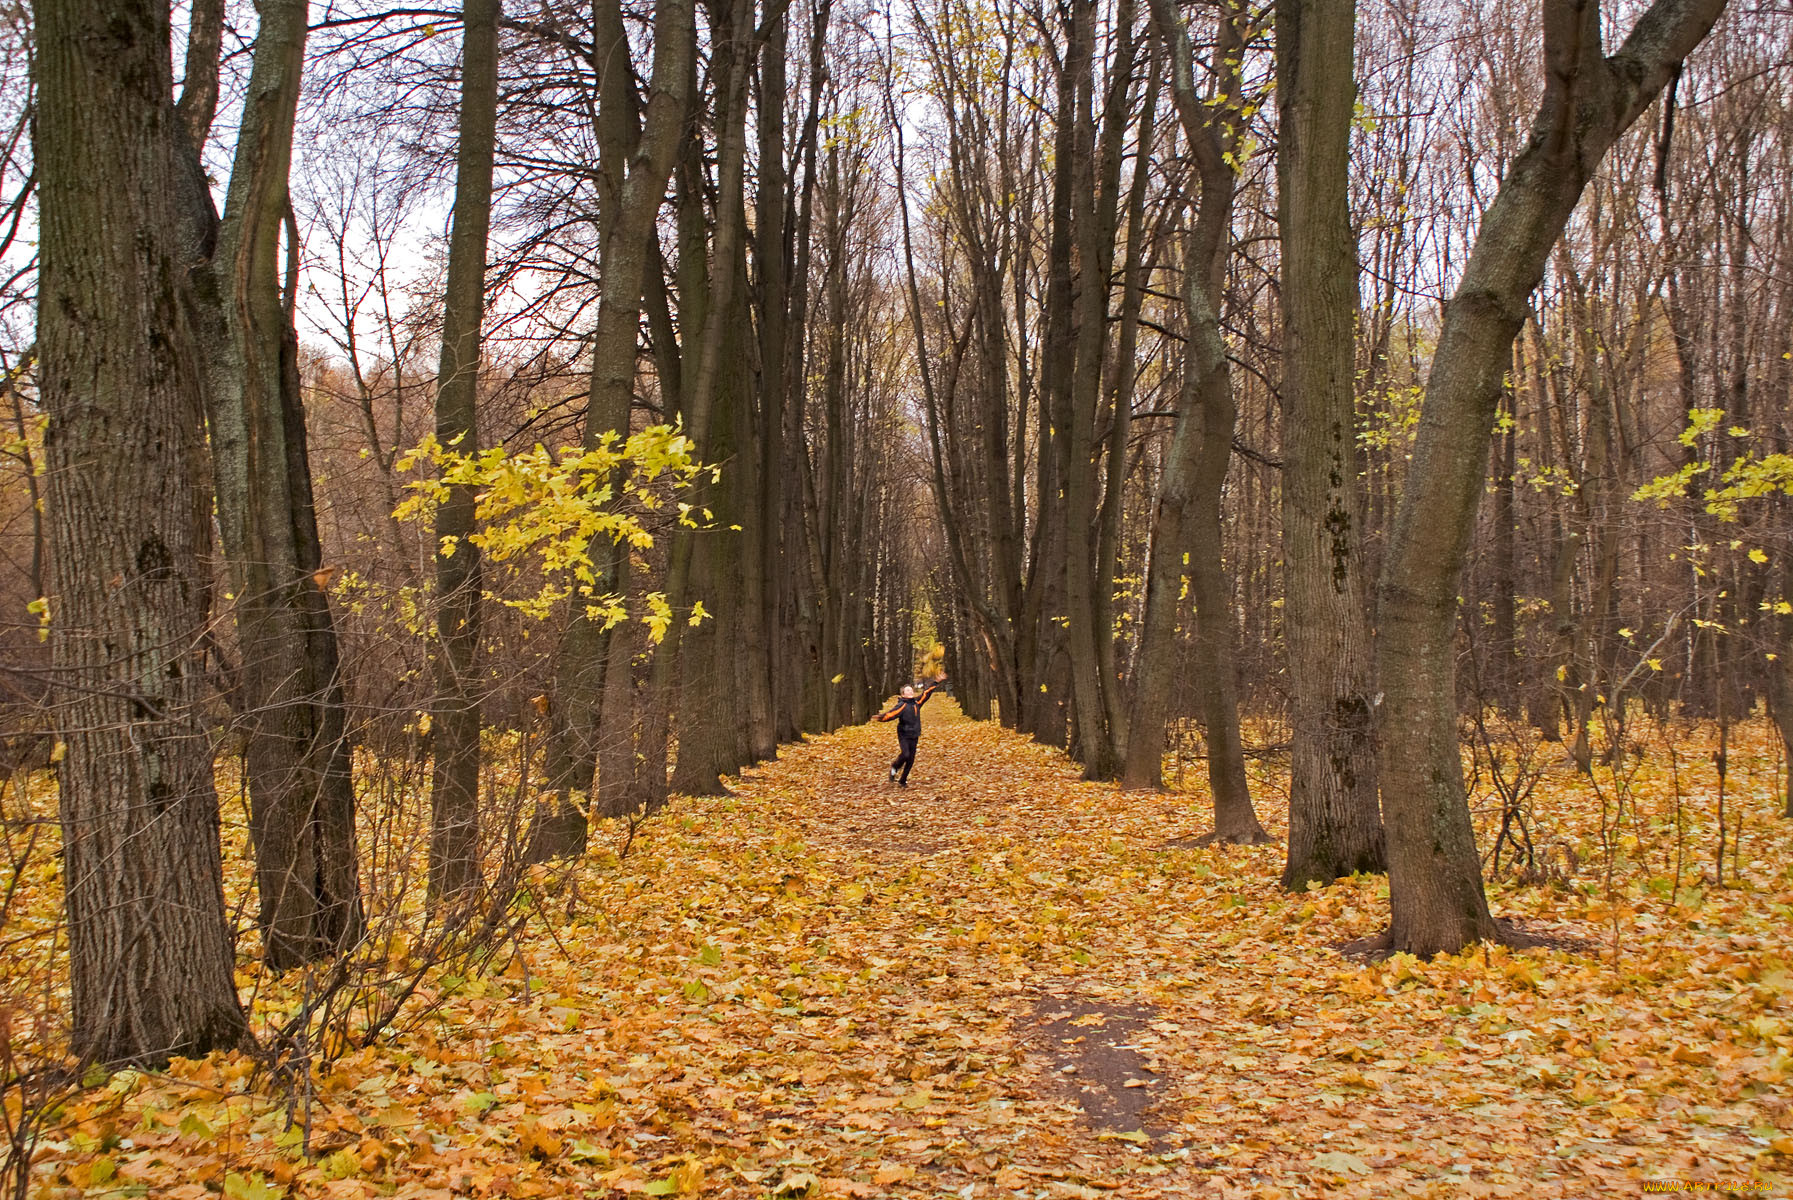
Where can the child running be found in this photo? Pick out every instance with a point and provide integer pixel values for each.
(906, 712)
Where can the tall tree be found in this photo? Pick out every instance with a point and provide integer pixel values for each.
(301, 793)
(1335, 824)
(454, 780)
(1093, 179)
(1186, 522)
(636, 155)
(693, 678)
(1436, 900)
(150, 957)
(772, 259)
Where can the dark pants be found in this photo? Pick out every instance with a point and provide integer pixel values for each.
(906, 756)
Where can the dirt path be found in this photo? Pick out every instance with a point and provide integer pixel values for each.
(1049, 1078)
(1086, 1004)
(1002, 982)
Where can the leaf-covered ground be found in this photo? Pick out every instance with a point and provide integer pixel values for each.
(1004, 982)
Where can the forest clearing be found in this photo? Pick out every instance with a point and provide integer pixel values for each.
(1006, 982)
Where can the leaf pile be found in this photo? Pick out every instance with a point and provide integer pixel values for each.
(826, 986)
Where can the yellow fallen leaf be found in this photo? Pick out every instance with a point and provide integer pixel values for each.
(1693, 1058)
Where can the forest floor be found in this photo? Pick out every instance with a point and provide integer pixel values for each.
(1002, 981)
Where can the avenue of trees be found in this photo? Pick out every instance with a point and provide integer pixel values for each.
(624, 390)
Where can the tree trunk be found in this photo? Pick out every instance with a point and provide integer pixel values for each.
(301, 793)
(1100, 727)
(711, 713)
(1335, 822)
(1201, 449)
(1435, 886)
(1216, 673)
(150, 956)
(1156, 673)
(454, 781)
(1122, 388)
(1047, 662)
(706, 289)
(764, 509)
(636, 157)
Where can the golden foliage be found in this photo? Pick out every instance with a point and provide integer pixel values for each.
(824, 986)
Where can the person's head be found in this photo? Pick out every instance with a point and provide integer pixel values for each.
(908, 691)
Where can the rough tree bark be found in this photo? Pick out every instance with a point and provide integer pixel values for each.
(150, 956)
(1335, 823)
(1436, 900)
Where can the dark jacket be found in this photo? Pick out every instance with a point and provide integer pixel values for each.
(906, 712)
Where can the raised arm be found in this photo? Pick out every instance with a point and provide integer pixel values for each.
(931, 689)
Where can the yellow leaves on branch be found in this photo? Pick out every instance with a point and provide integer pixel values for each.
(1749, 477)
(551, 508)
(659, 616)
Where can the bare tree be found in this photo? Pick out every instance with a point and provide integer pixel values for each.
(1335, 824)
(1435, 886)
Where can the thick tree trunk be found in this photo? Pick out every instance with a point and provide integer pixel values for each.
(150, 956)
(711, 715)
(1335, 822)
(800, 664)
(1435, 887)
(301, 793)
(763, 679)
(454, 782)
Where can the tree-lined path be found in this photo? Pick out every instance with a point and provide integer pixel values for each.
(472, 474)
(1004, 981)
